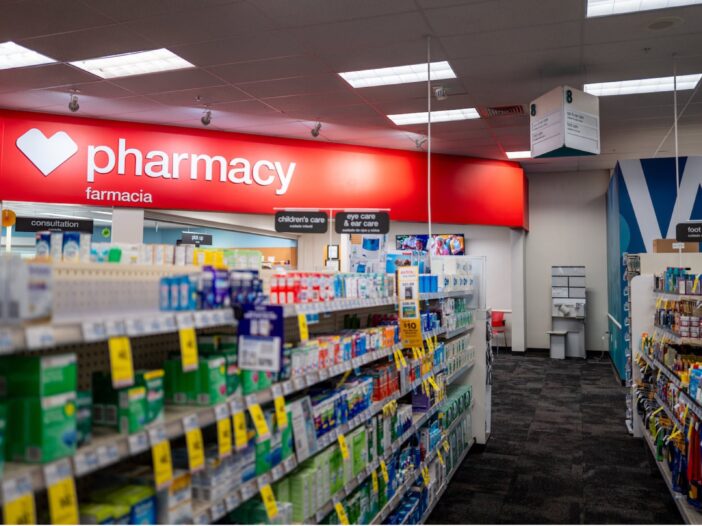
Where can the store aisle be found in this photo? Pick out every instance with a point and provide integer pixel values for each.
(559, 453)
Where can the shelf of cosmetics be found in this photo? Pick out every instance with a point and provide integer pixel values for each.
(682, 318)
(328, 410)
(678, 281)
(79, 247)
(676, 450)
(39, 393)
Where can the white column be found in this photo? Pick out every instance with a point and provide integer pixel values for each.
(128, 225)
(517, 249)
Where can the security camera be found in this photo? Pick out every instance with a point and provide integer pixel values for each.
(440, 93)
(315, 131)
(206, 118)
(73, 104)
(420, 142)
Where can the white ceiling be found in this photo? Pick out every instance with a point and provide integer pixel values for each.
(270, 67)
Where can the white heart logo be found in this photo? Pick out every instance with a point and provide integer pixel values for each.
(46, 154)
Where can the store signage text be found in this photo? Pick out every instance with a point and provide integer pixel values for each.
(688, 232)
(301, 222)
(191, 238)
(362, 223)
(37, 224)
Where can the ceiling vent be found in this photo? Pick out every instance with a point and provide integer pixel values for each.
(501, 111)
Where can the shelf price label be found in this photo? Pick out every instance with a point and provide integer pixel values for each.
(343, 446)
(193, 442)
(61, 492)
(269, 501)
(384, 472)
(224, 431)
(446, 446)
(259, 421)
(188, 349)
(441, 457)
(18, 501)
(281, 415)
(161, 456)
(374, 481)
(240, 438)
(425, 476)
(304, 328)
(341, 513)
(121, 363)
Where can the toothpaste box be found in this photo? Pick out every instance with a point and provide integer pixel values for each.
(44, 428)
(36, 376)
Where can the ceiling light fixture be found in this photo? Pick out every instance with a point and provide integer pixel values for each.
(436, 116)
(15, 56)
(519, 155)
(128, 64)
(315, 131)
(73, 103)
(655, 85)
(206, 118)
(398, 75)
(616, 7)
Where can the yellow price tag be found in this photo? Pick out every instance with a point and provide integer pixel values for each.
(425, 476)
(304, 328)
(63, 504)
(684, 418)
(224, 437)
(240, 438)
(343, 447)
(433, 383)
(441, 457)
(259, 421)
(163, 465)
(196, 449)
(398, 362)
(281, 415)
(121, 364)
(430, 345)
(384, 472)
(341, 513)
(436, 341)
(427, 387)
(20, 511)
(446, 446)
(188, 349)
(374, 481)
(403, 361)
(269, 501)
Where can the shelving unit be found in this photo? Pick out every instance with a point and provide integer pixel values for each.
(108, 448)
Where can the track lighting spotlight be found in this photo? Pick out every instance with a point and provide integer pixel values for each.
(206, 118)
(317, 128)
(73, 103)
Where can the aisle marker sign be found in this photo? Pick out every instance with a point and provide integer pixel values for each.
(18, 501)
(121, 364)
(61, 491)
(188, 349)
(408, 306)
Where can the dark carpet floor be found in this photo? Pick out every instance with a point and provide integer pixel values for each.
(559, 453)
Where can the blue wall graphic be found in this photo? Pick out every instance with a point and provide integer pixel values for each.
(642, 206)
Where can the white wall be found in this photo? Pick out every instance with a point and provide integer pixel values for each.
(567, 226)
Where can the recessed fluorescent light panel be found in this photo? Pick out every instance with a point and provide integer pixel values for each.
(436, 116)
(139, 63)
(15, 56)
(617, 7)
(398, 75)
(519, 155)
(629, 87)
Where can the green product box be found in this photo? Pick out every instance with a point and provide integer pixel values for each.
(180, 387)
(152, 381)
(249, 381)
(44, 429)
(141, 501)
(336, 470)
(121, 409)
(263, 456)
(35, 376)
(3, 426)
(84, 417)
(232, 373)
(92, 513)
(131, 411)
(282, 490)
(212, 381)
(359, 448)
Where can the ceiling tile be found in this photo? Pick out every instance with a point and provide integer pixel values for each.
(167, 81)
(201, 25)
(124, 10)
(311, 12)
(42, 77)
(88, 43)
(400, 53)
(294, 86)
(315, 104)
(211, 95)
(271, 69)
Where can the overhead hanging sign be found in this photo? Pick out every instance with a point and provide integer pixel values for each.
(37, 224)
(362, 223)
(73, 160)
(565, 122)
(688, 232)
(192, 238)
(301, 222)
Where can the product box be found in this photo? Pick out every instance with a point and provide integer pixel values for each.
(92, 513)
(84, 417)
(44, 429)
(35, 376)
(141, 501)
(175, 503)
(666, 246)
(205, 386)
(152, 381)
